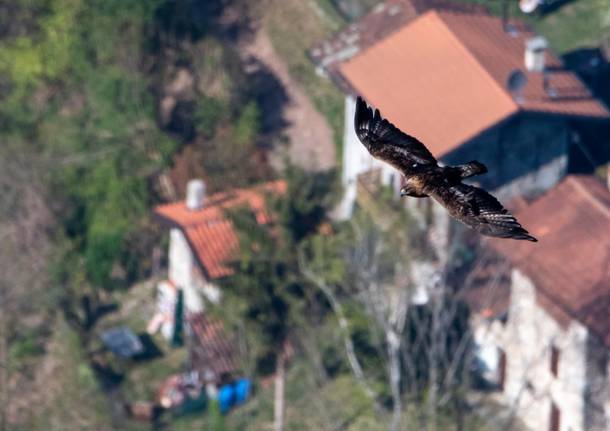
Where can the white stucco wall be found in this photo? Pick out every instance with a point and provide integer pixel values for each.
(183, 271)
(181, 259)
(357, 160)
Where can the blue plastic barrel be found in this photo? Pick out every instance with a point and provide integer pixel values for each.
(242, 390)
(226, 398)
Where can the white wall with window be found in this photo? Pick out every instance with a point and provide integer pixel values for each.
(357, 160)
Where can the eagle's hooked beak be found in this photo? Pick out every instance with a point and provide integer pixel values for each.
(403, 193)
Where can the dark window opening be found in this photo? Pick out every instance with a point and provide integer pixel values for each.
(502, 370)
(555, 418)
(554, 360)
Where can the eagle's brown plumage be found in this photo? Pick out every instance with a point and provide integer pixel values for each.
(471, 205)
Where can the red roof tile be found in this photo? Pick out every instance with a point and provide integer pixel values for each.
(486, 287)
(380, 22)
(500, 53)
(210, 234)
(443, 78)
(211, 353)
(570, 265)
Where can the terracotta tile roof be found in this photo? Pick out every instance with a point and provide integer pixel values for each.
(443, 78)
(210, 234)
(380, 22)
(211, 353)
(570, 265)
(486, 288)
(484, 37)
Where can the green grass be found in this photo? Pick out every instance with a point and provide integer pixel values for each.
(581, 23)
(72, 393)
(336, 405)
(142, 378)
(577, 24)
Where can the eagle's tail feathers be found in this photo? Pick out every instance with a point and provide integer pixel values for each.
(471, 169)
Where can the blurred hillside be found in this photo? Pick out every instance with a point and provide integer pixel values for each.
(107, 109)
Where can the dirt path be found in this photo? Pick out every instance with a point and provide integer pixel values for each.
(311, 139)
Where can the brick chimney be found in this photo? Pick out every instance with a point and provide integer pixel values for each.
(195, 194)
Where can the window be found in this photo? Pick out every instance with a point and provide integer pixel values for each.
(555, 418)
(502, 370)
(554, 361)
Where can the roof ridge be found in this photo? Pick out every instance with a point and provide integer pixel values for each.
(585, 192)
(469, 54)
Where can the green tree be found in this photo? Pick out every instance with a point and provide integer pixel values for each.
(76, 96)
(401, 349)
(270, 294)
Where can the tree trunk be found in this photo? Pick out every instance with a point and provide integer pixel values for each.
(459, 412)
(394, 370)
(433, 358)
(3, 374)
(350, 352)
(280, 377)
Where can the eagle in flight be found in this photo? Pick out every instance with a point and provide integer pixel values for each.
(423, 177)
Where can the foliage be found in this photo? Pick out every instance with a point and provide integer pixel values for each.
(337, 403)
(28, 61)
(248, 124)
(585, 23)
(95, 129)
(208, 115)
(217, 421)
(271, 294)
(368, 272)
(226, 118)
(567, 25)
(26, 345)
(68, 382)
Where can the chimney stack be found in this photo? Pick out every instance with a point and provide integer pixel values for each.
(535, 54)
(195, 195)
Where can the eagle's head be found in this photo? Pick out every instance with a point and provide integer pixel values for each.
(412, 186)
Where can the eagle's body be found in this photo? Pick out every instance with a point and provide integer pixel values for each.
(423, 177)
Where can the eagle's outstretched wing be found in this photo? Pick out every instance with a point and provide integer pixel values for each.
(480, 210)
(388, 143)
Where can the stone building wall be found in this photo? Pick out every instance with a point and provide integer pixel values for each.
(581, 387)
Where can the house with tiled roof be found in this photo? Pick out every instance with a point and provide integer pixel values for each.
(470, 86)
(548, 336)
(203, 239)
(380, 22)
(202, 244)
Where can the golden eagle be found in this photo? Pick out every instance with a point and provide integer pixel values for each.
(423, 177)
